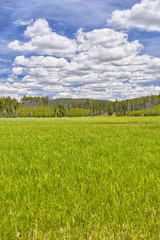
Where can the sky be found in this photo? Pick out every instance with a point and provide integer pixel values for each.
(99, 49)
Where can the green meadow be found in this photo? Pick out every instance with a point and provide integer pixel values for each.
(80, 178)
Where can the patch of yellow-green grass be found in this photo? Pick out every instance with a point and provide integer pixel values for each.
(80, 178)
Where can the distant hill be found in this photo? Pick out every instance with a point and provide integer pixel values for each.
(65, 101)
(36, 101)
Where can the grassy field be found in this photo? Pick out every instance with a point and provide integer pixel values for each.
(80, 178)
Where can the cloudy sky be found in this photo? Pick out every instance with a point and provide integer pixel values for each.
(101, 49)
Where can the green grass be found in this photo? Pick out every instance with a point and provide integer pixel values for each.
(145, 112)
(80, 178)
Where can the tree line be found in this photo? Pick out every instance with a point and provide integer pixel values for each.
(45, 107)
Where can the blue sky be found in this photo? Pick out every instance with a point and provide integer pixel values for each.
(104, 49)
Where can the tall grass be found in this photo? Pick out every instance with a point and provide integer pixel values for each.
(80, 178)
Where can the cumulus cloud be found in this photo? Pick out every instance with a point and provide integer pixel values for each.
(40, 61)
(9, 89)
(39, 28)
(101, 64)
(144, 15)
(44, 41)
(17, 70)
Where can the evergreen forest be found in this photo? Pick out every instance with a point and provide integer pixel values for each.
(67, 107)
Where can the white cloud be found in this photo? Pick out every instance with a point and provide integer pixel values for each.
(44, 41)
(106, 45)
(4, 70)
(9, 89)
(17, 70)
(23, 23)
(40, 61)
(98, 64)
(22, 47)
(144, 15)
(39, 28)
